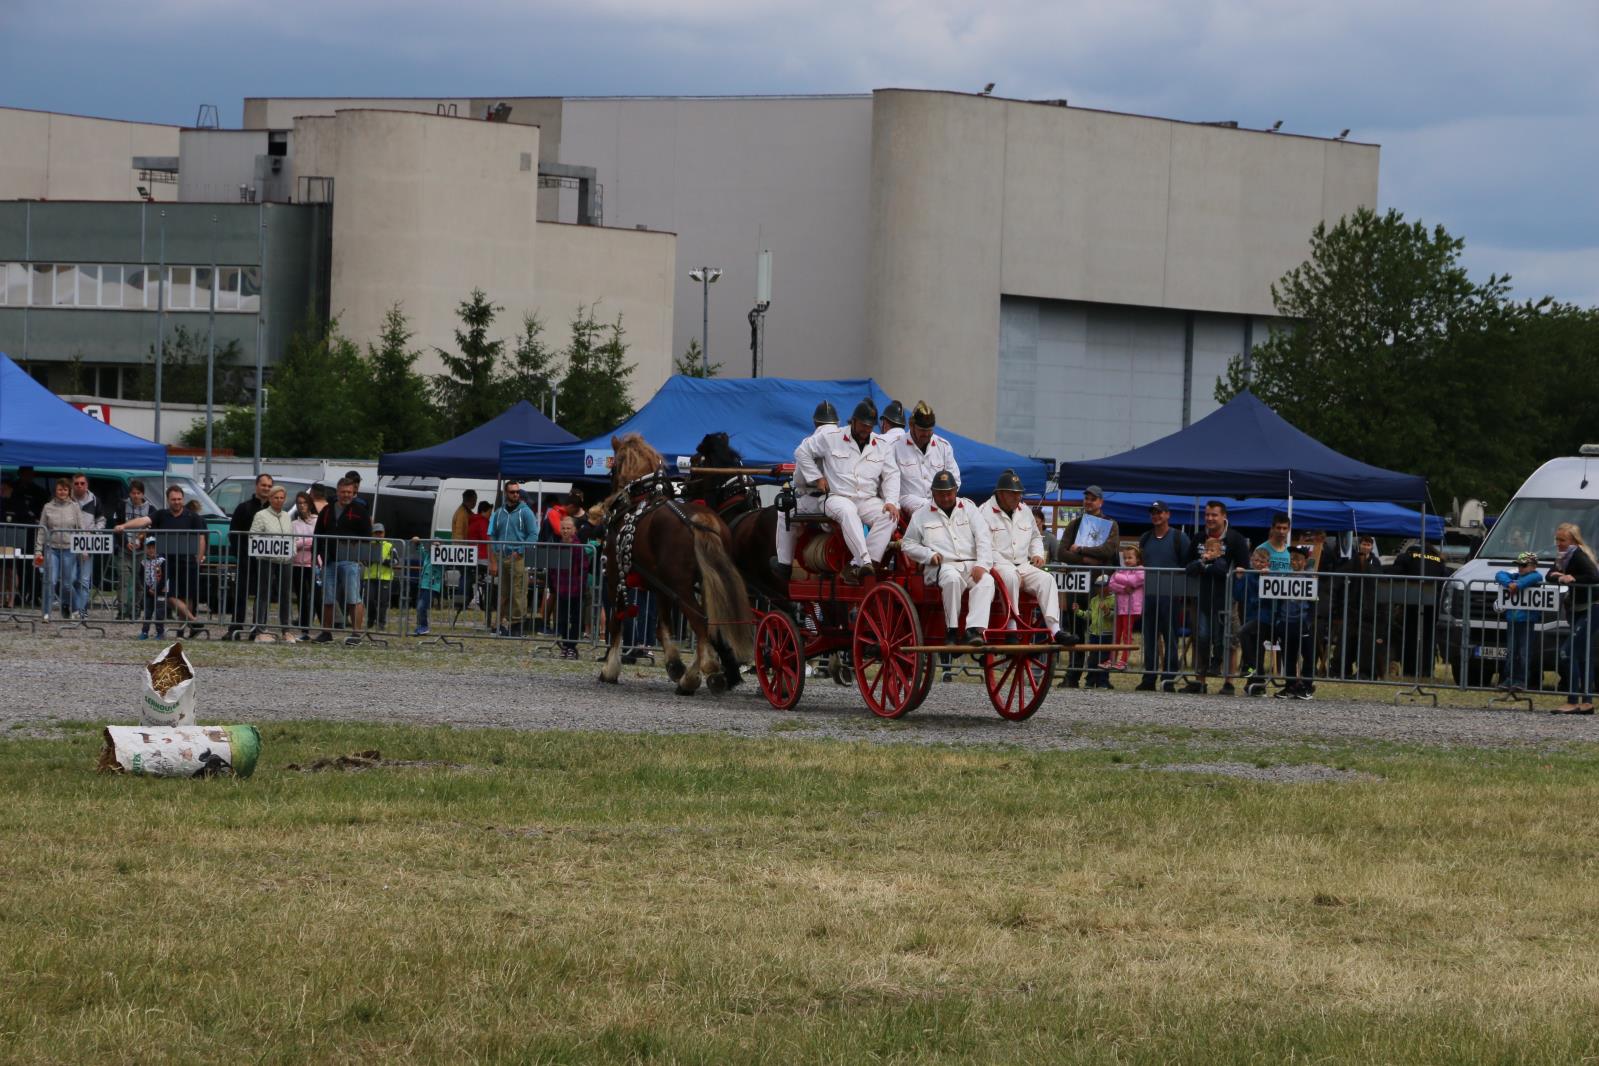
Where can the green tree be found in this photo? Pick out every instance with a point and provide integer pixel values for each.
(692, 362)
(594, 394)
(314, 403)
(466, 392)
(1392, 354)
(398, 405)
(530, 370)
(183, 372)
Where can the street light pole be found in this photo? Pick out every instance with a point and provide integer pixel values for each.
(705, 276)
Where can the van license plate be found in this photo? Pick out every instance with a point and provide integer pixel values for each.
(1485, 651)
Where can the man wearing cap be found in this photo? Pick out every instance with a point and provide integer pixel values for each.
(1165, 550)
(950, 539)
(892, 428)
(1019, 550)
(1078, 548)
(861, 482)
(807, 497)
(920, 454)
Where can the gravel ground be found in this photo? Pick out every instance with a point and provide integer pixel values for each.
(495, 684)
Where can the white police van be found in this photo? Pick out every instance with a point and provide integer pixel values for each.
(1471, 633)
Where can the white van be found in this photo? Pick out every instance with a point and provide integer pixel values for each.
(1470, 632)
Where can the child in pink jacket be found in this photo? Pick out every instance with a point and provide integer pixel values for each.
(1128, 586)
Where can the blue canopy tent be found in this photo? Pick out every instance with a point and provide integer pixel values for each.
(38, 428)
(476, 453)
(1244, 448)
(764, 419)
(1335, 516)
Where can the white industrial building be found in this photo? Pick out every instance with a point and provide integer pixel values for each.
(1064, 281)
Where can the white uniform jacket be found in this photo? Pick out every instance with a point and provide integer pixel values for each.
(891, 436)
(801, 485)
(960, 537)
(853, 472)
(1016, 536)
(916, 467)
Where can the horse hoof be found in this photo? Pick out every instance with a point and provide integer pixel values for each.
(603, 680)
(716, 683)
(675, 670)
(682, 691)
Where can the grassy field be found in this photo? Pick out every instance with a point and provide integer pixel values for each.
(570, 898)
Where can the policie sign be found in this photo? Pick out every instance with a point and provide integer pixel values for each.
(1544, 598)
(87, 543)
(446, 554)
(271, 546)
(1072, 582)
(1287, 586)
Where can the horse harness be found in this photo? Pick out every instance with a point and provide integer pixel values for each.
(639, 498)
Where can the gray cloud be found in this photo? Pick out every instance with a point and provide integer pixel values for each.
(1485, 110)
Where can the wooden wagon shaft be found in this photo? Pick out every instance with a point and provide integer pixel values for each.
(775, 470)
(1014, 649)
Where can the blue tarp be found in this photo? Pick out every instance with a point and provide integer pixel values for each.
(764, 419)
(1244, 448)
(476, 453)
(1335, 516)
(38, 428)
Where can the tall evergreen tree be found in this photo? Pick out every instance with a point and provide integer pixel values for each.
(692, 362)
(594, 390)
(466, 394)
(398, 405)
(530, 370)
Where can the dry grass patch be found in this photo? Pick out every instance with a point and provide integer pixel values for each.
(561, 898)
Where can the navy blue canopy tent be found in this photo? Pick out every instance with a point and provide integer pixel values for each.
(1244, 448)
(764, 419)
(38, 428)
(475, 453)
(1335, 516)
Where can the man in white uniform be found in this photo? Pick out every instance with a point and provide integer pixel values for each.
(807, 497)
(892, 427)
(861, 482)
(920, 454)
(950, 539)
(1019, 551)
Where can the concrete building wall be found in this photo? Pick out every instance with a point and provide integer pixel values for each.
(619, 272)
(975, 198)
(1084, 380)
(732, 176)
(214, 163)
(46, 156)
(425, 236)
(279, 112)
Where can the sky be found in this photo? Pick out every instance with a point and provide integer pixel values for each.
(1487, 113)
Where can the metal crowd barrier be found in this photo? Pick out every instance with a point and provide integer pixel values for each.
(1263, 633)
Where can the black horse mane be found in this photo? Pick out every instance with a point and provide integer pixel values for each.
(714, 450)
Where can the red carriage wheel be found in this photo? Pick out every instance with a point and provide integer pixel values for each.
(888, 676)
(779, 660)
(1018, 683)
(924, 688)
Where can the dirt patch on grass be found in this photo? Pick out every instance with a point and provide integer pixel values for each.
(371, 759)
(1290, 774)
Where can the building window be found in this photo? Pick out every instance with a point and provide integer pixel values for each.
(187, 288)
(43, 285)
(110, 286)
(66, 285)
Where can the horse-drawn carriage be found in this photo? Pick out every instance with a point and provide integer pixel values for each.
(892, 627)
(707, 557)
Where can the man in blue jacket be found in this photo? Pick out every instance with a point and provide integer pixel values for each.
(512, 531)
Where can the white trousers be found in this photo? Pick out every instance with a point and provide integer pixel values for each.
(911, 504)
(787, 537)
(865, 547)
(956, 578)
(1037, 582)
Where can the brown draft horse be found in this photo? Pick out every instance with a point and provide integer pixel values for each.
(735, 499)
(675, 545)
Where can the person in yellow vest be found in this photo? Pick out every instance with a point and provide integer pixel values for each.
(378, 577)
